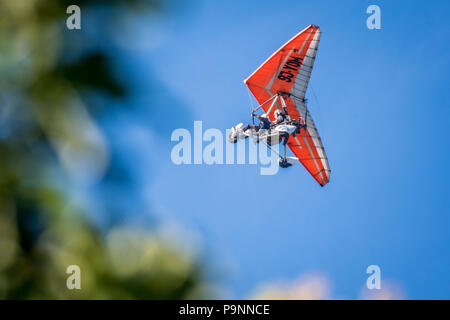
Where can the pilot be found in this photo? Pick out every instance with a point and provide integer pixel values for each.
(264, 123)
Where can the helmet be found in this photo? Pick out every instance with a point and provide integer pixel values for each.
(264, 115)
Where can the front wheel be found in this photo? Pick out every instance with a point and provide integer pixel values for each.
(284, 163)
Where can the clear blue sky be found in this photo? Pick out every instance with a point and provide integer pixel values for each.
(383, 114)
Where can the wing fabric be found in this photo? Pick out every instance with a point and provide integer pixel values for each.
(288, 70)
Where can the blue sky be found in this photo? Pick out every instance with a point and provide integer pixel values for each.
(382, 111)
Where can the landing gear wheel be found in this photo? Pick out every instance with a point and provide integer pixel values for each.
(284, 163)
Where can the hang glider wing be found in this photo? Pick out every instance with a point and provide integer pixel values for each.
(288, 70)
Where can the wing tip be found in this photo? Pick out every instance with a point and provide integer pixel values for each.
(324, 183)
(254, 72)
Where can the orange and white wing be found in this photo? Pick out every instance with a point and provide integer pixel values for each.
(288, 70)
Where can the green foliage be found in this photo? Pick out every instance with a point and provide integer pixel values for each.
(47, 137)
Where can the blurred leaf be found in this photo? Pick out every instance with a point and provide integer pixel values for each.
(92, 72)
(48, 138)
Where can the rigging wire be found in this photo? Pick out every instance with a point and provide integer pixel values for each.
(270, 148)
(251, 105)
(315, 98)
